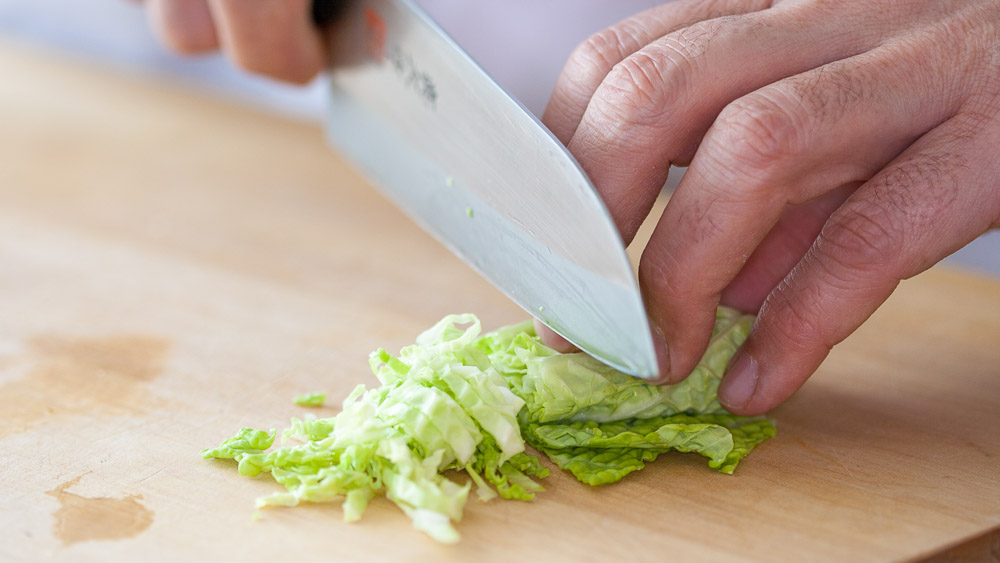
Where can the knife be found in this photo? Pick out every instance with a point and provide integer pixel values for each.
(428, 126)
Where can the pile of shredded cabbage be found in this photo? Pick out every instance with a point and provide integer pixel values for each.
(456, 400)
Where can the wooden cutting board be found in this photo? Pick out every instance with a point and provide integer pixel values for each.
(174, 267)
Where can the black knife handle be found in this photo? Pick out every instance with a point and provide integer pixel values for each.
(325, 12)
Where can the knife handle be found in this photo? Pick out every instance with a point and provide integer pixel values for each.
(325, 12)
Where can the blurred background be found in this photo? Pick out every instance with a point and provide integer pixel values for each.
(523, 43)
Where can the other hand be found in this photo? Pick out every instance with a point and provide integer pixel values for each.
(275, 38)
(835, 147)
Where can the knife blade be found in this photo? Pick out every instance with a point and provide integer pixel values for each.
(473, 167)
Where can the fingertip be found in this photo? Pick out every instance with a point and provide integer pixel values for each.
(292, 60)
(553, 340)
(311, 57)
(299, 76)
(761, 376)
(274, 39)
(662, 349)
(739, 386)
(682, 310)
(185, 27)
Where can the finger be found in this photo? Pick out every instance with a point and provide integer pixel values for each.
(552, 339)
(593, 59)
(272, 37)
(781, 249)
(184, 26)
(784, 144)
(936, 197)
(655, 106)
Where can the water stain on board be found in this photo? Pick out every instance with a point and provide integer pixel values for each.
(82, 376)
(82, 518)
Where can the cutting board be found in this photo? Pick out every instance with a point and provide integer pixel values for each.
(174, 267)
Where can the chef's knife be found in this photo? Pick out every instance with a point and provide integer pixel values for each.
(471, 165)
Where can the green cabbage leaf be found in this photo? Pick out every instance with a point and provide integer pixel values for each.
(314, 399)
(559, 387)
(441, 406)
(598, 453)
(458, 400)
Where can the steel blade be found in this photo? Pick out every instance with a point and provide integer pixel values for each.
(470, 164)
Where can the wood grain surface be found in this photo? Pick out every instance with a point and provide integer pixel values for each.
(173, 267)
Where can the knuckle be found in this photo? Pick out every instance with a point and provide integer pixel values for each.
(756, 132)
(598, 54)
(655, 81)
(891, 220)
(652, 82)
(860, 240)
(791, 314)
(635, 89)
(644, 89)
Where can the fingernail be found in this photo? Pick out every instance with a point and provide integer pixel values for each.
(738, 386)
(662, 356)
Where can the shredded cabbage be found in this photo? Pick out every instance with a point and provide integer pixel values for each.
(456, 400)
(314, 399)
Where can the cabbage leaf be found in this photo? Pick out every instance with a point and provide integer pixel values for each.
(458, 400)
(314, 399)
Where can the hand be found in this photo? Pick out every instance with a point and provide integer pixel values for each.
(270, 37)
(835, 147)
